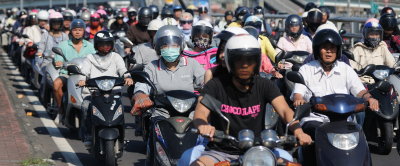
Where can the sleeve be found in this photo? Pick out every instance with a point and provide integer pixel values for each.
(300, 88)
(266, 65)
(270, 50)
(389, 59)
(130, 36)
(43, 42)
(271, 91)
(357, 57)
(353, 81)
(28, 31)
(121, 68)
(138, 55)
(210, 88)
(86, 67)
(198, 75)
(144, 87)
(309, 45)
(58, 58)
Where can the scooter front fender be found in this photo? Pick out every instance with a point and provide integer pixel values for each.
(109, 133)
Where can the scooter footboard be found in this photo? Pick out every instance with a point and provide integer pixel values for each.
(329, 151)
(174, 143)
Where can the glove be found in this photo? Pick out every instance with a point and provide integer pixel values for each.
(142, 102)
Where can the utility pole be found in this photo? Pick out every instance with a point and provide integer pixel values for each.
(50, 4)
(67, 4)
(348, 8)
(21, 4)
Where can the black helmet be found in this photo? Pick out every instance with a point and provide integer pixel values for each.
(9, 13)
(132, 13)
(388, 22)
(101, 38)
(145, 16)
(21, 13)
(309, 6)
(326, 36)
(154, 10)
(228, 13)
(119, 15)
(325, 10)
(240, 12)
(167, 12)
(68, 16)
(314, 19)
(388, 10)
(258, 10)
(293, 20)
(202, 9)
(31, 20)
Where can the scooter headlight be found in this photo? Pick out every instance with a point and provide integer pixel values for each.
(259, 155)
(97, 113)
(299, 59)
(161, 155)
(118, 112)
(344, 141)
(181, 105)
(106, 84)
(381, 74)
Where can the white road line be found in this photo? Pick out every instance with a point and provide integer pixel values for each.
(61, 143)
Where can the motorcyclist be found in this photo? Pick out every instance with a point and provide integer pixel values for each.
(119, 24)
(313, 21)
(372, 50)
(132, 13)
(50, 39)
(186, 25)
(103, 63)
(18, 24)
(202, 52)
(324, 76)
(240, 89)
(325, 14)
(177, 12)
(388, 10)
(138, 33)
(103, 18)
(43, 18)
(166, 12)
(85, 16)
(94, 27)
(170, 72)
(309, 6)
(240, 12)
(228, 17)
(294, 39)
(32, 30)
(75, 47)
(145, 53)
(68, 17)
(391, 32)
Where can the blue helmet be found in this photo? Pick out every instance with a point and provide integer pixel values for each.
(372, 27)
(77, 23)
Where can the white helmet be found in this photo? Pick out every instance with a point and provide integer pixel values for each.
(43, 15)
(155, 24)
(327, 26)
(170, 21)
(242, 46)
(85, 16)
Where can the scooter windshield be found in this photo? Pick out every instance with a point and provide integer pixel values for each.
(337, 104)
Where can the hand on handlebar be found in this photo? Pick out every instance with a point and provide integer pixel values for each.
(58, 64)
(142, 102)
(206, 131)
(128, 81)
(299, 102)
(373, 104)
(304, 139)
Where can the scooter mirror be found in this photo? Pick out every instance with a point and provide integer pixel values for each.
(58, 51)
(348, 54)
(295, 77)
(342, 32)
(73, 69)
(215, 105)
(383, 86)
(302, 111)
(126, 41)
(280, 56)
(141, 76)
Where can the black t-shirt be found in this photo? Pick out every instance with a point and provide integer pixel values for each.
(245, 110)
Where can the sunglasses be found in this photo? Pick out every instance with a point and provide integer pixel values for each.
(185, 22)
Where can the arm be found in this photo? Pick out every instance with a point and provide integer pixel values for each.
(208, 76)
(43, 42)
(198, 74)
(270, 50)
(201, 118)
(389, 59)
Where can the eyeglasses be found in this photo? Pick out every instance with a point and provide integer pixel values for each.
(183, 22)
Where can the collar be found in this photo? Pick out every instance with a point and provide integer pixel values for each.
(182, 62)
(84, 42)
(319, 69)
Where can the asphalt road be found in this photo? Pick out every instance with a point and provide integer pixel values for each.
(55, 142)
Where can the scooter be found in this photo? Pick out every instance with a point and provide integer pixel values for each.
(381, 124)
(120, 41)
(107, 118)
(338, 142)
(256, 150)
(169, 137)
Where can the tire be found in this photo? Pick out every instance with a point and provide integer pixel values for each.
(385, 142)
(109, 153)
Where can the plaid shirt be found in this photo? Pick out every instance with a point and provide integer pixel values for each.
(393, 44)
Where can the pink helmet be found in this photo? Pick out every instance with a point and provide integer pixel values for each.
(101, 12)
(124, 9)
(95, 15)
(372, 20)
(101, 7)
(34, 11)
(55, 15)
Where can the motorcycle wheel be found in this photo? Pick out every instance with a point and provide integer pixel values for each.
(109, 153)
(385, 142)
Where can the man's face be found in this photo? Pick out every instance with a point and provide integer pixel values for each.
(177, 14)
(78, 32)
(120, 21)
(374, 35)
(42, 23)
(228, 18)
(244, 68)
(328, 52)
(324, 18)
(67, 23)
(186, 24)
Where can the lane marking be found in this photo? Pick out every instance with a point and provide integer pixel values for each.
(62, 144)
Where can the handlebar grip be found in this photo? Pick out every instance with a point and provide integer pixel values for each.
(194, 131)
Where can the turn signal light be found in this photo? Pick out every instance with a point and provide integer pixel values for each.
(292, 164)
(320, 107)
(223, 163)
(73, 99)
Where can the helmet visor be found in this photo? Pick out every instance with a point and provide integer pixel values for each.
(168, 41)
